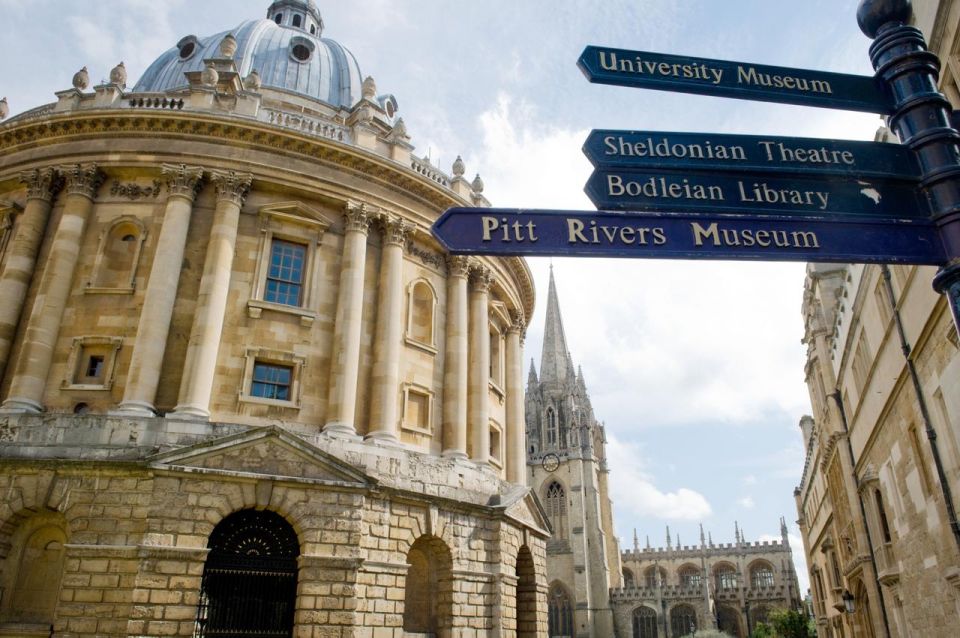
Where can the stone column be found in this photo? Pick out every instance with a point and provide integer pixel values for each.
(183, 183)
(479, 383)
(201, 360)
(345, 357)
(43, 327)
(515, 426)
(455, 361)
(42, 185)
(387, 343)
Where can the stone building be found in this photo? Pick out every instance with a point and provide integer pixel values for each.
(566, 455)
(675, 589)
(242, 386)
(597, 591)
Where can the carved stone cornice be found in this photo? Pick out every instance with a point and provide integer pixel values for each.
(458, 266)
(394, 230)
(357, 217)
(42, 183)
(182, 180)
(481, 278)
(135, 191)
(231, 186)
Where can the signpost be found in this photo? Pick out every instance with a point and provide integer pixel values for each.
(646, 70)
(511, 231)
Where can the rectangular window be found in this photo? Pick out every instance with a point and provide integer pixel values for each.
(418, 410)
(271, 381)
(495, 444)
(95, 368)
(92, 362)
(285, 275)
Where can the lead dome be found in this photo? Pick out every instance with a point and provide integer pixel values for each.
(285, 49)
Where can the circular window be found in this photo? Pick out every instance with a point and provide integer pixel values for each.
(187, 50)
(300, 52)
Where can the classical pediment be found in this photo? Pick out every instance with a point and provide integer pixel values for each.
(523, 506)
(269, 452)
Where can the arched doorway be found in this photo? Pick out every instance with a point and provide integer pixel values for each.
(861, 616)
(428, 595)
(560, 612)
(645, 623)
(728, 620)
(249, 582)
(683, 620)
(526, 595)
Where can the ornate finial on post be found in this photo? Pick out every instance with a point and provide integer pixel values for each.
(228, 46)
(118, 75)
(252, 81)
(873, 14)
(369, 88)
(4, 108)
(458, 167)
(81, 79)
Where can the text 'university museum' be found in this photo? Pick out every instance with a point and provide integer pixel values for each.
(245, 392)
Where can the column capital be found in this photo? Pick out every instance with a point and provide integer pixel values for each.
(394, 229)
(42, 183)
(481, 277)
(518, 324)
(357, 217)
(231, 186)
(82, 179)
(182, 180)
(458, 266)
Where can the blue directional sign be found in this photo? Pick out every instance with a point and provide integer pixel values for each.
(719, 152)
(741, 80)
(513, 231)
(752, 194)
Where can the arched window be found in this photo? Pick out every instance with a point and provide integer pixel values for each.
(654, 577)
(628, 580)
(297, 21)
(278, 18)
(728, 620)
(551, 428)
(420, 319)
(560, 612)
(37, 558)
(726, 577)
(428, 591)
(683, 620)
(882, 515)
(645, 623)
(690, 576)
(117, 258)
(761, 575)
(249, 581)
(526, 594)
(556, 505)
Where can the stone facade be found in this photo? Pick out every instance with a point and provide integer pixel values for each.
(228, 335)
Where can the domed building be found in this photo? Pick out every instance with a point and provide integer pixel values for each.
(243, 389)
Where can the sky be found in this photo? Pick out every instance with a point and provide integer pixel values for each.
(696, 368)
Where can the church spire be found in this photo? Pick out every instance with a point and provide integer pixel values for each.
(555, 363)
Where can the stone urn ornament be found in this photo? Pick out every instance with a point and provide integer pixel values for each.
(118, 75)
(209, 76)
(459, 168)
(4, 109)
(252, 81)
(228, 46)
(477, 184)
(81, 79)
(369, 88)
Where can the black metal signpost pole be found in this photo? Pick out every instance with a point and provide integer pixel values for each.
(921, 120)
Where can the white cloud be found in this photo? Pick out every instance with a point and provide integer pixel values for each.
(749, 479)
(746, 502)
(635, 494)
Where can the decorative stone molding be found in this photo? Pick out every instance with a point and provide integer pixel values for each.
(134, 192)
(182, 180)
(517, 323)
(231, 186)
(481, 277)
(82, 179)
(458, 266)
(357, 217)
(426, 257)
(42, 183)
(394, 230)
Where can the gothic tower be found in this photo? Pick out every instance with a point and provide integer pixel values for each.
(566, 460)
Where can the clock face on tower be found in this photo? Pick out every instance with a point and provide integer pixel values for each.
(550, 462)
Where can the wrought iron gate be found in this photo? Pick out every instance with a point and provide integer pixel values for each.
(249, 585)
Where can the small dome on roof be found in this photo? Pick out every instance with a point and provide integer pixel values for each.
(285, 50)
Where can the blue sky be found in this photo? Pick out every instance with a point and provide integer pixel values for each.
(696, 368)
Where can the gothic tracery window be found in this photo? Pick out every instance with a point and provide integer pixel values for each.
(645, 623)
(556, 506)
(761, 575)
(551, 428)
(683, 620)
(560, 612)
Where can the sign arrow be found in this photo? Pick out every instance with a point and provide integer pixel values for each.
(742, 80)
(752, 194)
(719, 152)
(515, 231)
